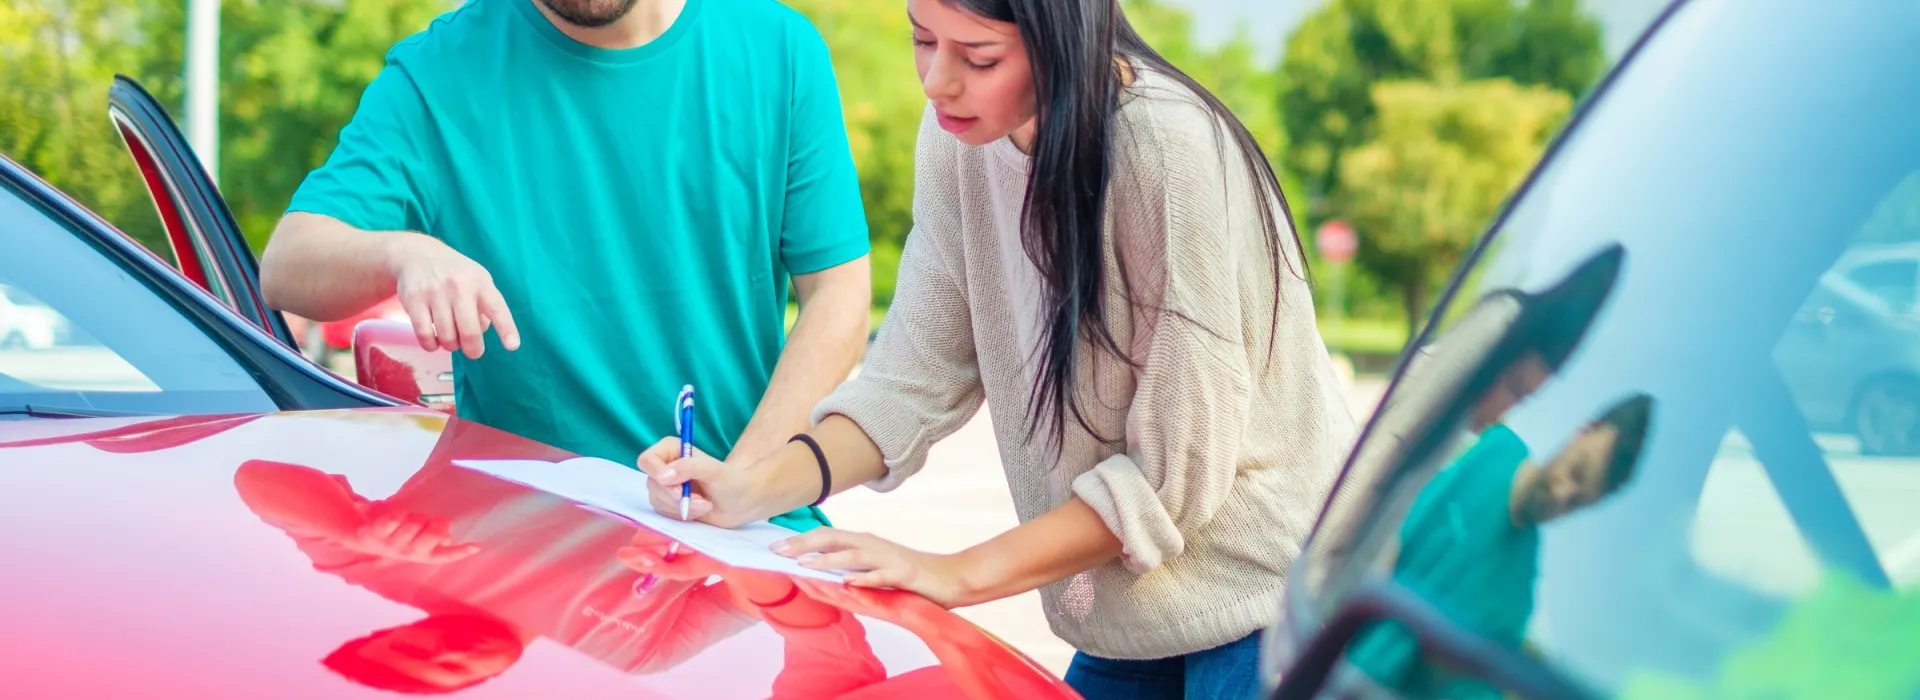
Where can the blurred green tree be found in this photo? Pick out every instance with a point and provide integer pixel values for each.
(292, 72)
(1340, 53)
(56, 59)
(1442, 159)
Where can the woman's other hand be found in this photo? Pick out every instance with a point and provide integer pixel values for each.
(878, 563)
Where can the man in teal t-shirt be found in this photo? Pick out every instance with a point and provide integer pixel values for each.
(621, 191)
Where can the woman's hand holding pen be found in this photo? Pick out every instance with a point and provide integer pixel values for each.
(723, 495)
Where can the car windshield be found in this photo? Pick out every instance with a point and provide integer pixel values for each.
(1664, 435)
(80, 335)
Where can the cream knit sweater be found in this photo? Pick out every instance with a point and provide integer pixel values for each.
(1228, 456)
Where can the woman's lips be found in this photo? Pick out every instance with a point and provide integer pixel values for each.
(955, 124)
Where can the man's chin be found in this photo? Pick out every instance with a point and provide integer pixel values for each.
(589, 14)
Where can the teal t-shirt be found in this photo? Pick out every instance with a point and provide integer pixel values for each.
(1461, 551)
(641, 210)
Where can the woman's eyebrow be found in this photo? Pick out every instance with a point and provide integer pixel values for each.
(968, 44)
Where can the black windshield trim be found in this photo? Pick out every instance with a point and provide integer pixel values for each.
(41, 410)
(1439, 638)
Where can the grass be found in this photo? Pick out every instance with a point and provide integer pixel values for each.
(1364, 336)
(1354, 336)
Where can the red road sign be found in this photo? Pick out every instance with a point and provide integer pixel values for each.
(1337, 241)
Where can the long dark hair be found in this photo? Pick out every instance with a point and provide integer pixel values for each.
(1072, 45)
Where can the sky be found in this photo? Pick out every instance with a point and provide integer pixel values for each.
(1268, 22)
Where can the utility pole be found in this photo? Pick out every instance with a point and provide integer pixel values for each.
(203, 83)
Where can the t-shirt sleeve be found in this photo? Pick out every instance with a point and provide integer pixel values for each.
(825, 223)
(378, 177)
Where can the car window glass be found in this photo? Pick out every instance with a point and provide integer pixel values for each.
(78, 331)
(1892, 281)
(40, 346)
(1717, 475)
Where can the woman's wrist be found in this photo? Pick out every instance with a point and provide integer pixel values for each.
(973, 576)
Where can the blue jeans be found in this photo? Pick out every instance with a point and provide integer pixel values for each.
(1229, 672)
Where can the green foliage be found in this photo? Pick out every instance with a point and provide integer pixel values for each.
(1442, 159)
(1345, 57)
(291, 74)
(292, 71)
(57, 58)
(1844, 639)
(872, 47)
(1345, 47)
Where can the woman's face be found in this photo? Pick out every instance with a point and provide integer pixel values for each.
(974, 70)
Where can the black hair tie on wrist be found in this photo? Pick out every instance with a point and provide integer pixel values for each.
(826, 476)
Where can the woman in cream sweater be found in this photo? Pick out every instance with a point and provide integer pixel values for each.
(1101, 251)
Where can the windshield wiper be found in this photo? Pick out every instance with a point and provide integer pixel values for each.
(47, 411)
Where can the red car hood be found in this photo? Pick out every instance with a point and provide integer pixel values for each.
(202, 557)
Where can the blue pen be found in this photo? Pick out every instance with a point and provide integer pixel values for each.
(683, 419)
(682, 422)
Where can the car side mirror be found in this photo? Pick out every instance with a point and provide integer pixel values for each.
(387, 358)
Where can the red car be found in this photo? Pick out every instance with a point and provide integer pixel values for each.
(325, 339)
(194, 509)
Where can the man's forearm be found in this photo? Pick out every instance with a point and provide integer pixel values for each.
(826, 342)
(323, 269)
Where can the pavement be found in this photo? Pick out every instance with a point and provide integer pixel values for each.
(960, 499)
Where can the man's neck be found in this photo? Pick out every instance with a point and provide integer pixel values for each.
(647, 21)
(1520, 497)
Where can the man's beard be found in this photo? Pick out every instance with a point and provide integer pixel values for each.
(590, 13)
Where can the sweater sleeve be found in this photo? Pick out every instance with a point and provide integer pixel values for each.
(920, 381)
(1194, 383)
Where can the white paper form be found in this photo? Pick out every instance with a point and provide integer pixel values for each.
(615, 489)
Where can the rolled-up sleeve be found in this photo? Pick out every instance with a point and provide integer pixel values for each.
(1184, 432)
(920, 381)
(1194, 383)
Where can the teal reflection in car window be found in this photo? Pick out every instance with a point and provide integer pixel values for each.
(1471, 541)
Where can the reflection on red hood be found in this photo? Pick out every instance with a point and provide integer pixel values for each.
(157, 434)
(184, 558)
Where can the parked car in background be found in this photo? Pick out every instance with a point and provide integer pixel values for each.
(25, 323)
(194, 509)
(1656, 440)
(1852, 354)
